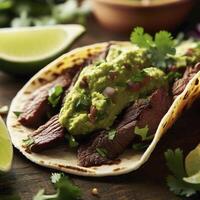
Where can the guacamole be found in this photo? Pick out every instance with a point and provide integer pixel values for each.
(104, 89)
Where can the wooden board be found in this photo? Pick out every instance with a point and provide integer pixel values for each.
(148, 183)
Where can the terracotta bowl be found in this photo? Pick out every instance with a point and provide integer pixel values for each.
(123, 15)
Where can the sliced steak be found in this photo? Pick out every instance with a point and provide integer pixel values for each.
(141, 113)
(180, 84)
(35, 110)
(47, 135)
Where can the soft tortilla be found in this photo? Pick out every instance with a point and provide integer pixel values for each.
(65, 160)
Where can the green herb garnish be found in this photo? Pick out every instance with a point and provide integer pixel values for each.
(175, 182)
(112, 134)
(17, 113)
(139, 146)
(28, 141)
(171, 76)
(102, 152)
(55, 95)
(83, 103)
(139, 76)
(39, 13)
(71, 141)
(143, 133)
(65, 189)
(158, 48)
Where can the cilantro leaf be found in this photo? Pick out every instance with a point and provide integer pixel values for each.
(83, 103)
(17, 113)
(41, 196)
(139, 146)
(44, 20)
(158, 49)
(65, 189)
(139, 76)
(164, 43)
(175, 182)
(55, 177)
(102, 152)
(111, 134)
(71, 141)
(175, 163)
(28, 141)
(179, 187)
(142, 132)
(140, 38)
(6, 4)
(55, 95)
(70, 11)
(171, 76)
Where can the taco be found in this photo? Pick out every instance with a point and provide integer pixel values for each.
(100, 110)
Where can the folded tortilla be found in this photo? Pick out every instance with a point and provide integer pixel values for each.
(66, 160)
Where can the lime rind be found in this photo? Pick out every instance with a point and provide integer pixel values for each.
(195, 179)
(36, 43)
(6, 149)
(192, 162)
(53, 42)
(192, 166)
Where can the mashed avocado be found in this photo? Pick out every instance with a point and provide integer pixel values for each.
(103, 90)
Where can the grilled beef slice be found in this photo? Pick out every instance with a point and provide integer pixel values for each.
(180, 84)
(47, 135)
(35, 110)
(141, 113)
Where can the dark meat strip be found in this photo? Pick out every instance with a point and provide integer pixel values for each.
(180, 84)
(141, 113)
(35, 110)
(47, 135)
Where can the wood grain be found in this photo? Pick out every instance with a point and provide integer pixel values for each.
(148, 183)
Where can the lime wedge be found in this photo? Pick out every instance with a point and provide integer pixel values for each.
(6, 150)
(26, 50)
(195, 179)
(192, 162)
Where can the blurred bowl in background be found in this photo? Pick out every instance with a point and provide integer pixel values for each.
(123, 15)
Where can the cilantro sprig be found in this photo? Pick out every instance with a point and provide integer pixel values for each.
(65, 189)
(145, 138)
(111, 134)
(17, 113)
(72, 141)
(176, 182)
(102, 152)
(28, 141)
(18, 13)
(143, 133)
(83, 103)
(171, 76)
(55, 95)
(139, 76)
(158, 48)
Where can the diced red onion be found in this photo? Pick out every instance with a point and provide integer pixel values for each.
(109, 92)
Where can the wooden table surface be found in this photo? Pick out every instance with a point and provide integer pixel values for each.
(26, 178)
